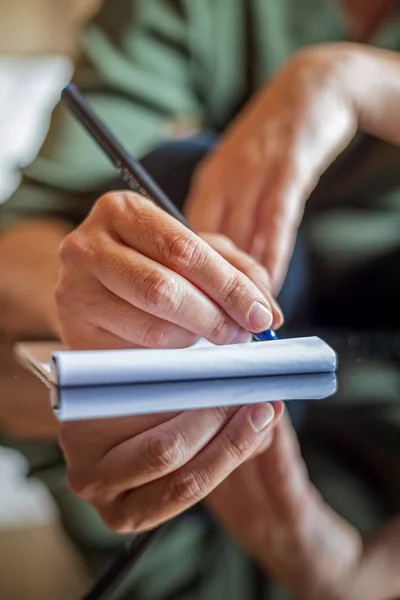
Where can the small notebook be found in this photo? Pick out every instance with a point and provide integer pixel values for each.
(75, 403)
(93, 384)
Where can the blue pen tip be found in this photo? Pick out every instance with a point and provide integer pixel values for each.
(266, 336)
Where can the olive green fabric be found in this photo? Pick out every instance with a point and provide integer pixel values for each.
(145, 66)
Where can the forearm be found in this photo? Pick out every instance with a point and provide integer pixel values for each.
(29, 267)
(371, 78)
(381, 563)
(317, 555)
(325, 558)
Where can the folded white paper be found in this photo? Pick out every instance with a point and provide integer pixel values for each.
(76, 403)
(116, 367)
(111, 383)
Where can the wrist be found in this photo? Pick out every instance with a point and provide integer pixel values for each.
(318, 554)
(371, 77)
(323, 117)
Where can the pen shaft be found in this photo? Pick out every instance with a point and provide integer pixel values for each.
(122, 563)
(130, 170)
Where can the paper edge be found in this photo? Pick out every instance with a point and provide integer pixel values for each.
(30, 355)
(59, 374)
(26, 355)
(331, 378)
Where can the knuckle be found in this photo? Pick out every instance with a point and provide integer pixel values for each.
(231, 290)
(134, 201)
(183, 250)
(119, 205)
(236, 450)
(190, 488)
(112, 202)
(219, 330)
(72, 247)
(157, 335)
(165, 451)
(78, 248)
(220, 414)
(126, 514)
(81, 485)
(160, 292)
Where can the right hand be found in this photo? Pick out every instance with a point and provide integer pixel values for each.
(133, 276)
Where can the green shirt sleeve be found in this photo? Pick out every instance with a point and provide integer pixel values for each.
(136, 71)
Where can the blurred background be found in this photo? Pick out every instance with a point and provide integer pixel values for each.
(38, 42)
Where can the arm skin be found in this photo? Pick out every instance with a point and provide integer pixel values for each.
(29, 266)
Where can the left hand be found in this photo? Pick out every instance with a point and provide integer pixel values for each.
(253, 186)
(270, 505)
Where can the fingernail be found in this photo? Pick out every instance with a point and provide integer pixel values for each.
(260, 317)
(241, 337)
(261, 416)
(280, 316)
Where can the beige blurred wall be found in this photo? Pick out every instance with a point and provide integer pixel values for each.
(37, 27)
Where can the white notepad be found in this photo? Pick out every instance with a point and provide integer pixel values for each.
(71, 368)
(75, 403)
(99, 383)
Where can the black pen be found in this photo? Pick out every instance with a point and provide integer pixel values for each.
(130, 170)
(120, 565)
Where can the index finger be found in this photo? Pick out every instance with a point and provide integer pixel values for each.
(151, 231)
(277, 221)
